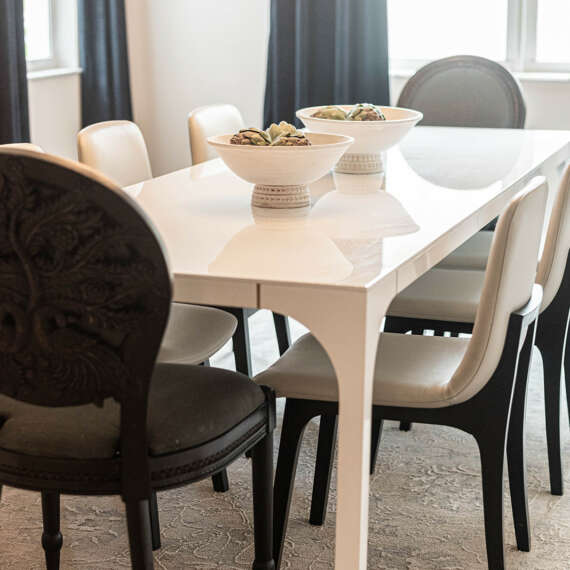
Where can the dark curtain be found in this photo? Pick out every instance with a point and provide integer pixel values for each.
(14, 118)
(105, 89)
(325, 52)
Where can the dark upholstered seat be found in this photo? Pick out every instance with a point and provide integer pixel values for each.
(188, 406)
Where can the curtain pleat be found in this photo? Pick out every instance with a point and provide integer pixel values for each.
(325, 52)
(103, 53)
(14, 116)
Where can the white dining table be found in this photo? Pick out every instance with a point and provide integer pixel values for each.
(336, 266)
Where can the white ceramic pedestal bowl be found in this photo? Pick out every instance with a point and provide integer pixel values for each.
(281, 173)
(371, 138)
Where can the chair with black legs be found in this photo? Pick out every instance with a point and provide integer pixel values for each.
(86, 293)
(204, 122)
(464, 383)
(194, 333)
(446, 300)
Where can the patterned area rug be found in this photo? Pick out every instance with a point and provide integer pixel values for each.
(425, 507)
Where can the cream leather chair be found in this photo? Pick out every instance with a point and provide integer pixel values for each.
(116, 148)
(194, 333)
(23, 146)
(464, 383)
(204, 122)
(209, 121)
(447, 300)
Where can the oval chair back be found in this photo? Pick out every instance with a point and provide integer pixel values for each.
(209, 121)
(508, 285)
(557, 245)
(23, 146)
(465, 91)
(85, 293)
(117, 149)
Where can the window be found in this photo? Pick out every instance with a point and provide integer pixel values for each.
(524, 35)
(39, 32)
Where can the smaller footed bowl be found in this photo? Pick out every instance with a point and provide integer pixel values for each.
(371, 138)
(281, 173)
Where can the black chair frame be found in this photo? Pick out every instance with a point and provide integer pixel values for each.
(553, 342)
(502, 426)
(86, 295)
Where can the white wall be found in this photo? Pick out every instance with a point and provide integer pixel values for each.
(55, 115)
(187, 53)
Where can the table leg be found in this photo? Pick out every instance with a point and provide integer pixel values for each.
(347, 325)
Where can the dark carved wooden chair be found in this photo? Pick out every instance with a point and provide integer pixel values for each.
(477, 385)
(85, 293)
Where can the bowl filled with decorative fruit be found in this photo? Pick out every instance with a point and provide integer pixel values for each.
(280, 161)
(374, 128)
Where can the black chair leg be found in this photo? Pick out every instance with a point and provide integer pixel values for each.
(294, 422)
(377, 425)
(262, 475)
(242, 349)
(221, 482)
(140, 541)
(51, 536)
(515, 447)
(154, 521)
(283, 333)
(405, 426)
(552, 363)
(567, 373)
(323, 468)
(492, 452)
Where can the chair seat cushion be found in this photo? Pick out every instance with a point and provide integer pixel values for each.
(472, 254)
(441, 294)
(195, 333)
(188, 406)
(305, 371)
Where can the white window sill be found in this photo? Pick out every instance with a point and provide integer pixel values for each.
(54, 72)
(530, 76)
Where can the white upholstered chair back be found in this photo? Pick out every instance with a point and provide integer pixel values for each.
(553, 261)
(23, 146)
(209, 121)
(509, 279)
(117, 149)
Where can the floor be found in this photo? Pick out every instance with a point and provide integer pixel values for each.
(425, 507)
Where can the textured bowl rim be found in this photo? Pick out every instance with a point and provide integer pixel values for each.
(340, 142)
(415, 116)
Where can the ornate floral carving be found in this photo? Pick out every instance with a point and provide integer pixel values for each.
(74, 283)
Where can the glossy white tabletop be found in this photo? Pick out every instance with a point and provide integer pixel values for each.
(439, 187)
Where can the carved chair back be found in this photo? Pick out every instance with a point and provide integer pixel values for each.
(85, 290)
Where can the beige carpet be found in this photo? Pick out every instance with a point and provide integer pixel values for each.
(425, 508)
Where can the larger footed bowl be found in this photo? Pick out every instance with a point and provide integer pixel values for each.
(371, 138)
(281, 173)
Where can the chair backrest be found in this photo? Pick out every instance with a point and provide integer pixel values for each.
(509, 279)
(117, 149)
(23, 146)
(209, 121)
(465, 91)
(557, 245)
(85, 288)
